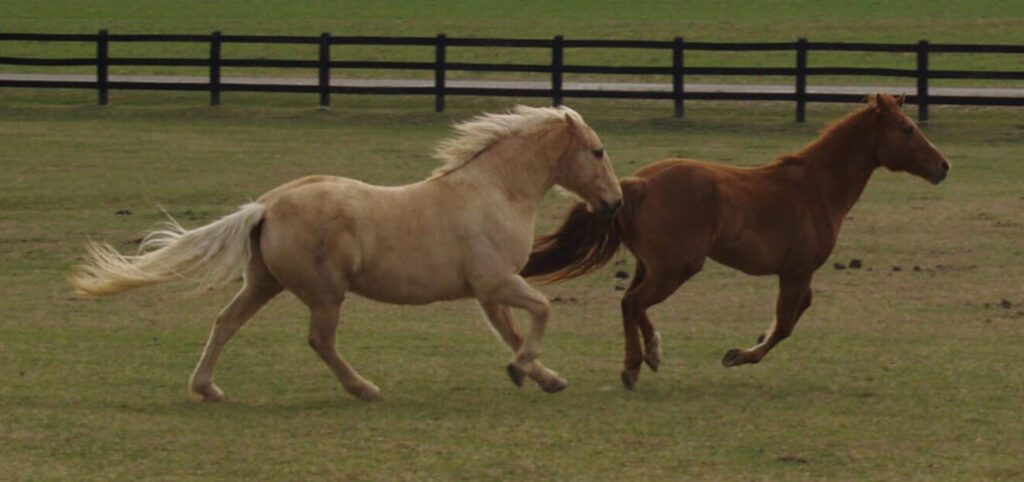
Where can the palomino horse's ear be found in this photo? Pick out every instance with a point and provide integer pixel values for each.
(568, 119)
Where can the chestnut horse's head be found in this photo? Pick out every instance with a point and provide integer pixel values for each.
(901, 144)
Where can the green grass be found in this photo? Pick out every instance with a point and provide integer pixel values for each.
(891, 375)
(908, 374)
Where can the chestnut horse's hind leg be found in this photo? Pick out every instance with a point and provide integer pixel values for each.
(259, 288)
(504, 323)
(794, 299)
(323, 332)
(648, 289)
(652, 339)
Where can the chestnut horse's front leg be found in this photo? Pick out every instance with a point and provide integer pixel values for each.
(651, 285)
(794, 299)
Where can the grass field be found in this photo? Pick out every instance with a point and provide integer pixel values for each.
(908, 374)
(891, 374)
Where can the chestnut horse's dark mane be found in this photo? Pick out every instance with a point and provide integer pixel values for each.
(845, 126)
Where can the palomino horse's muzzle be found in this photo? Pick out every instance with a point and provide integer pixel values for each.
(612, 207)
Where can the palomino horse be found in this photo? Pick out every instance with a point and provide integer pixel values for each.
(464, 232)
(782, 218)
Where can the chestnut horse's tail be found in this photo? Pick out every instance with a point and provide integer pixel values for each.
(211, 255)
(586, 240)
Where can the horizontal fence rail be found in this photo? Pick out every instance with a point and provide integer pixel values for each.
(675, 69)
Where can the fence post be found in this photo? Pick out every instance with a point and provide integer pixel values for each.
(557, 60)
(215, 68)
(801, 79)
(440, 56)
(325, 70)
(102, 59)
(677, 74)
(922, 81)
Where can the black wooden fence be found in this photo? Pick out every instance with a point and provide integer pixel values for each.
(675, 56)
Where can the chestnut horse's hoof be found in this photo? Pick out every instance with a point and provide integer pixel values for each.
(556, 385)
(516, 374)
(733, 358)
(653, 360)
(629, 379)
(652, 352)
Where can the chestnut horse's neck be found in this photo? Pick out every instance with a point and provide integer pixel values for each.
(840, 162)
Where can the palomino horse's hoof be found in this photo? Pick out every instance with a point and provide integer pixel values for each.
(516, 374)
(733, 358)
(556, 385)
(629, 379)
(207, 393)
(368, 394)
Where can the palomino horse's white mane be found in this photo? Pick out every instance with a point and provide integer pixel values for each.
(478, 133)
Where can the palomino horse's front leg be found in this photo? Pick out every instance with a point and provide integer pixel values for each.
(794, 299)
(515, 292)
(504, 323)
(323, 333)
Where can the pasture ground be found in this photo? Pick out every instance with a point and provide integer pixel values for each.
(891, 375)
(909, 374)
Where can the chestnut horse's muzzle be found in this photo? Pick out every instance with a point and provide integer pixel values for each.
(939, 174)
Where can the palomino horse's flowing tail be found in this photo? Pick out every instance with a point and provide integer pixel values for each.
(211, 255)
(586, 240)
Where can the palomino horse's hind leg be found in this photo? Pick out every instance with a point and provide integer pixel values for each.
(515, 292)
(323, 332)
(259, 288)
(504, 323)
(794, 299)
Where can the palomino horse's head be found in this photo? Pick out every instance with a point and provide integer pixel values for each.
(901, 144)
(585, 169)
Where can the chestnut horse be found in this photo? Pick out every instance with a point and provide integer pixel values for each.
(464, 232)
(782, 218)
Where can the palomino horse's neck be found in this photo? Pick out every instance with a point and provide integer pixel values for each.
(843, 159)
(523, 166)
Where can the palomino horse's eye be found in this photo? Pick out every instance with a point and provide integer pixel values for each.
(598, 153)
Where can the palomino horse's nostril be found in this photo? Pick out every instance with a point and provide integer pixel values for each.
(944, 166)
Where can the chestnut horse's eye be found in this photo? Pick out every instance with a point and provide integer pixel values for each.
(598, 153)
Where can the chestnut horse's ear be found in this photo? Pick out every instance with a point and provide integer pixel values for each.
(902, 98)
(881, 102)
(871, 100)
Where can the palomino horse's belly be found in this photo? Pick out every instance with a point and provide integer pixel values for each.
(410, 288)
